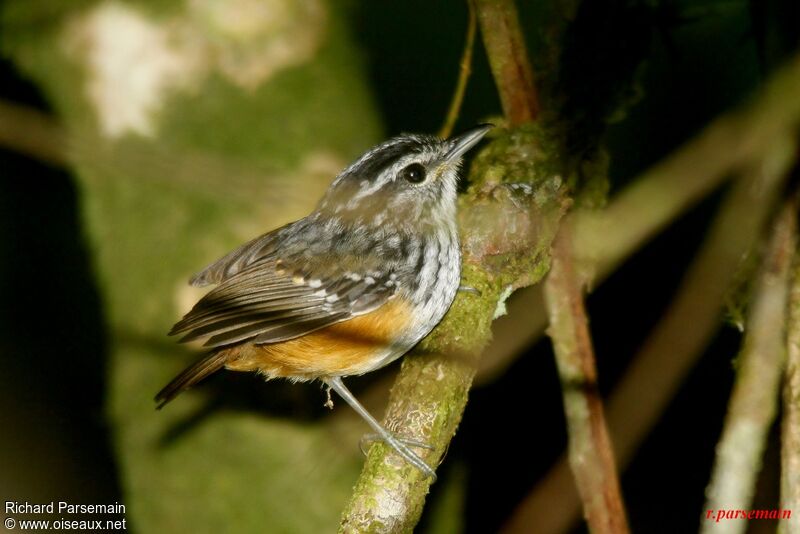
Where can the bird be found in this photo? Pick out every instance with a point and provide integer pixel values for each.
(346, 290)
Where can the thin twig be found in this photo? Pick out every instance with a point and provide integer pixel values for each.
(790, 431)
(590, 452)
(673, 347)
(33, 133)
(508, 59)
(465, 69)
(755, 394)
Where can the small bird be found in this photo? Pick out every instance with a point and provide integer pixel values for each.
(345, 290)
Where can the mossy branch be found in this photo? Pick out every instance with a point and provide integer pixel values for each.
(691, 185)
(430, 393)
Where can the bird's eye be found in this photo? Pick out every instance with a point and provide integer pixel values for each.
(414, 173)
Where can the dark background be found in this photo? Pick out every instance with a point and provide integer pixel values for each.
(698, 59)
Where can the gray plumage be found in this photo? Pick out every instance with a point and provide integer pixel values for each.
(380, 232)
(385, 229)
(367, 240)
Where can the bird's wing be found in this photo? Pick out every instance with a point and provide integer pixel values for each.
(270, 298)
(251, 252)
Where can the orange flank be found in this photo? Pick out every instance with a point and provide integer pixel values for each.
(345, 348)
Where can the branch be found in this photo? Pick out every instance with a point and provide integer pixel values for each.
(656, 198)
(790, 431)
(508, 59)
(32, 133)
(465, 69)
(430, 393)
(754, 399)
(590, 452)
(673, 347)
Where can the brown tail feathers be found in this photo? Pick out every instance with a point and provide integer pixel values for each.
(191, 376)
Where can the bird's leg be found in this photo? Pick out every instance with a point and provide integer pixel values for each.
(370, 438)
(401, 446)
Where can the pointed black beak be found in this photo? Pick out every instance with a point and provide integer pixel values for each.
(460, 144)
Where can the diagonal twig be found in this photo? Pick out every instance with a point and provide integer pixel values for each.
(790, 428)
(465, 69)
(508, 59)
(672, 348)
(590, 452)
(754, 399)
(661, 194)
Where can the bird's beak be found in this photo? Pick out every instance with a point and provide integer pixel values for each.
(460, 144)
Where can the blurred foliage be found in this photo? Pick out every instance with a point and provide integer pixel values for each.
(193, 467)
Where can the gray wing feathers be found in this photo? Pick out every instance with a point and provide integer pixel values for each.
(234, 262)
(268, 301)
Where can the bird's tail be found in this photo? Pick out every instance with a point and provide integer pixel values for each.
(191, 376)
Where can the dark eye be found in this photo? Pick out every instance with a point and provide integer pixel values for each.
(414, 173)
